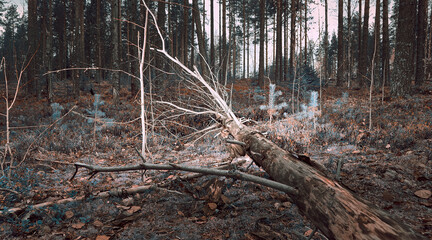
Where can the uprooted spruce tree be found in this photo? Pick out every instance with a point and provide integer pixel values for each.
(333, 209)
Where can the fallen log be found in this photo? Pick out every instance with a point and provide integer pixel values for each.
(333, 209)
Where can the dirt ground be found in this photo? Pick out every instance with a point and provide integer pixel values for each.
(389, 165)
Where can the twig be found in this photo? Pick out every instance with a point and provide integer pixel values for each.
(52, 161)
(12, 191)
(119, 192)
(312, 234)
(231, 174)
(235, 142)
(141, 156)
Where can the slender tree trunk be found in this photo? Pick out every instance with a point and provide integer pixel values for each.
(244, 38)
(266, 71)
(78, 56)
(192, 35)
(279, 67)
(48, 51)
(185, 32)
(224, 59)
(261, 51)
(204, 21)
(248, 47)
(32, 31)
(234, 50)
(326, 43)
(293, 37)
(305, 32)
(300, 56)
(421, 41)
(170, 28)
(232, 41)
(115, 15)
(286, 40)
(364, 46)
(98, 40)
(201, 44)
(349, 66)
(429, 45)
(133, 47)
(386, 44)
(220, 42)
(63, 40)
(212, 44)
(377, 40)
(359, 40)
(340, 54)
(255, 52)
(160, 61)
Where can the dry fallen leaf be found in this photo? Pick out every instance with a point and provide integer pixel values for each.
(78, 225)
(69, 214)
(308, 233)
(225, 199)
(287, 204)
(134, 209)
(97, 223)
(102, 237)
(425, 194)
(212, 206)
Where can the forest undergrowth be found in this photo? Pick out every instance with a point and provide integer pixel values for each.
(389, 166)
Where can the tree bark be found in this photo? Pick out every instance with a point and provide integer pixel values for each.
(359, 40)
(421, 41)
(212, 45)
(32, 36)
(377, 46)
(261, 50)
(326, 43)
(403, 70)
(386, 44)
(362, 78)
(337, 212)
(349, 63)
(47, 48)
(99, 41)
(159, 61)
(293, 37)
(133, 47)
(286, 40)
(244, 38)
(78, 56)
(185, 37)
(305, 33)
(279, 69)
(340, 55)
(115, 16)
(224, 57)
(201, 44)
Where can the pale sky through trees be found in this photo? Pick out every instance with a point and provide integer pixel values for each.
(317, 12)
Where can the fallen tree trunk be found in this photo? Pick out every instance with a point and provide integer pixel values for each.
(333, 209)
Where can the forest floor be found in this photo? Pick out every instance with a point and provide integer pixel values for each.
(389, 165)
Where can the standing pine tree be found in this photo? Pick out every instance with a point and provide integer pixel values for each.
(403, 71)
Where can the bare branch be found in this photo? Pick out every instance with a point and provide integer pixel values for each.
(226, 173)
